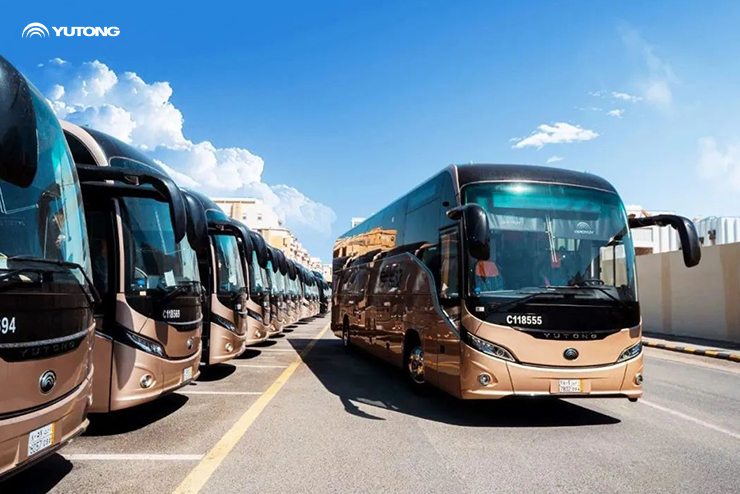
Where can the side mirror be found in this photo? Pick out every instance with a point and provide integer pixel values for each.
(197, 226)
(690, 245)
(475, 225)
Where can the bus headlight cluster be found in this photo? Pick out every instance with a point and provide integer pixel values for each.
(145, 344)
(631, 352)
(489, 348)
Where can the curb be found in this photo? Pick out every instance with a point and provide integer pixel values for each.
(735, 357)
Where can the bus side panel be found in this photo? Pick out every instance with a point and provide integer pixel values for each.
(441, 342)
(102, 360)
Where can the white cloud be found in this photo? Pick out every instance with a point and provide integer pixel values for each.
(626, 97)
(659, 76)
(554, 159)
(717, 164)
(615, 113)
(141, 114)
(557, 133)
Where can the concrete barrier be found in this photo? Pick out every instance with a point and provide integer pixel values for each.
(700, 302)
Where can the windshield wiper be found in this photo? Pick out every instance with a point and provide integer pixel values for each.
(16, 271)
(581, 286)
(523, 300)
(178, 289)
(92, 295)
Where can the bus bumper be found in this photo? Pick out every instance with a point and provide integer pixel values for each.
(256, 333)
(513, 379)
(130, 369)
(224, 345)
(69, 416)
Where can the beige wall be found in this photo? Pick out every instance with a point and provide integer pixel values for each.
(702, 302)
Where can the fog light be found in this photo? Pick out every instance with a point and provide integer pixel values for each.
(638, 379)
(484, 379)
(146, 381)
(229, 347)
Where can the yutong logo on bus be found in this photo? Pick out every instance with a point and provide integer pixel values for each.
(38, 29)
(583, 228)
(569, 336)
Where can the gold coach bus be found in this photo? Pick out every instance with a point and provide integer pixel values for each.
(495, 280)
(223, 277)
(149, 320)
(46, 300)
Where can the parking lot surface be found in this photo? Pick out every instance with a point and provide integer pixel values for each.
(298, 414)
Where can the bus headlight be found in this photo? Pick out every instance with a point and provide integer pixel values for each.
(223, 322)
(631, 352)
(489, 348)
(145, 344)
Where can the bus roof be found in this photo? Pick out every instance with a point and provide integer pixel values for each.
(500, 172)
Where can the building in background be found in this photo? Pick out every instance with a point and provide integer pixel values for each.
(356, 221)
(718, 230)
(260, 217)
(713, 230)
(652, 239)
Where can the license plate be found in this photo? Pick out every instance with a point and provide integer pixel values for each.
(187, 374)
(570, 386)
(40, 439)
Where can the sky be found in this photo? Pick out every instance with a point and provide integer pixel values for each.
(331, 110)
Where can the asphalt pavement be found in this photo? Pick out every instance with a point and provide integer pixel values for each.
(286, 419)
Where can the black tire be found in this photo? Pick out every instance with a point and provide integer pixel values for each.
(413, 364)
(345, 337)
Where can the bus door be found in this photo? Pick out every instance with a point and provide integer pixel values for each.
(448, 292)
(101, 227)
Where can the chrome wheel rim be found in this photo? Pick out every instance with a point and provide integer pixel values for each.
(416, 365)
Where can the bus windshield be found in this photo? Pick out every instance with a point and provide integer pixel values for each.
(45, 220)
(256, 281)
(155, 263)
(545, 237)
(229, 269)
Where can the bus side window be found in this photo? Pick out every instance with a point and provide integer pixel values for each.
(449, 285)
(394, 282)
(381, 282)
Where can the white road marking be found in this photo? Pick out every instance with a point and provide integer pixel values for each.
(691, 419)
(283, 350)
(194, 392)
(131, 457)
(260, 366)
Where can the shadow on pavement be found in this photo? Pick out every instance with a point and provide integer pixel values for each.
(39, 478)
(359, 379)
(249, 353)
(264, 344)
(215, 372)
(134, 418)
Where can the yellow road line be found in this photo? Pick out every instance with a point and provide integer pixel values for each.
(198, 477)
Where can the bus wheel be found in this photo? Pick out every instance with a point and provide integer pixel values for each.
(345, 335)
(414, 365)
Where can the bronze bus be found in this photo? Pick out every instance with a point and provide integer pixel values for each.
(495, 280)
(223, 277)
(46, 307)
(277, 269)
(257, 257)
(148, 324)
